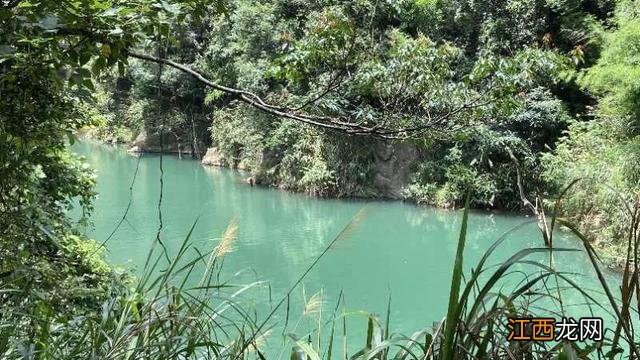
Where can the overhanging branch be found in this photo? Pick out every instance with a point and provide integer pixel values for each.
(334, 123)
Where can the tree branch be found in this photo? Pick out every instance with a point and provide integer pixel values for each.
(536, 209)
(257, 102)
(334, 123)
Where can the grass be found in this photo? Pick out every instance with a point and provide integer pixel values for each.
(474, 325)
(161, 316)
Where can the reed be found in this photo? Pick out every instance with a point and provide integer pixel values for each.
(161, 316)
(474, 326)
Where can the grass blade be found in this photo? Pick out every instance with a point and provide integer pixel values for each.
(451, 320)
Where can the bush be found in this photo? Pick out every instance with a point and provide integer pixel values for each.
(604, 168)
(603, 153)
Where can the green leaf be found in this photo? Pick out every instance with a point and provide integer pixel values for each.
(111, 12)
(85, 73)
(84, 58)
(451, 321)
(89, 84)
(71, 137)
(105, 50)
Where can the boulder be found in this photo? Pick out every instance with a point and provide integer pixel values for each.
(150, 143)
(392, 163)
(213, 157)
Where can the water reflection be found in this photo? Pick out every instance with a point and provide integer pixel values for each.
(399, 249)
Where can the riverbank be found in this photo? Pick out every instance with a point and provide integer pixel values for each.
(385, 171)
(213, 157)
(609, 255)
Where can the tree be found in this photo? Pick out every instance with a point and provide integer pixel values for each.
(49, 52)
(603, 154)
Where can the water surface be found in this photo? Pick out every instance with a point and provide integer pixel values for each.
(399, 249)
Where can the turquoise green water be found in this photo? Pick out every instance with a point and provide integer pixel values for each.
(399, 249)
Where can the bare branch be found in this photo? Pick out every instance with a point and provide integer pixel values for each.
(536, 209)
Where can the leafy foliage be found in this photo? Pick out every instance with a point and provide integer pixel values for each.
(291, 155)
(49, 53)
(604, 152)
(387, 66)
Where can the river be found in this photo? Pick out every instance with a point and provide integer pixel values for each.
(398, 250)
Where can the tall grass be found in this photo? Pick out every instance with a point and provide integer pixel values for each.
(474, 326)
(163, 315)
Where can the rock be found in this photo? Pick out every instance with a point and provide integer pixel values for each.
(213, 157)
(150, 143)
(243, 165)
(266, 160)
(392, 162)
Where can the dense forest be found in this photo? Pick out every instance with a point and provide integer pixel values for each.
(518, 105)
